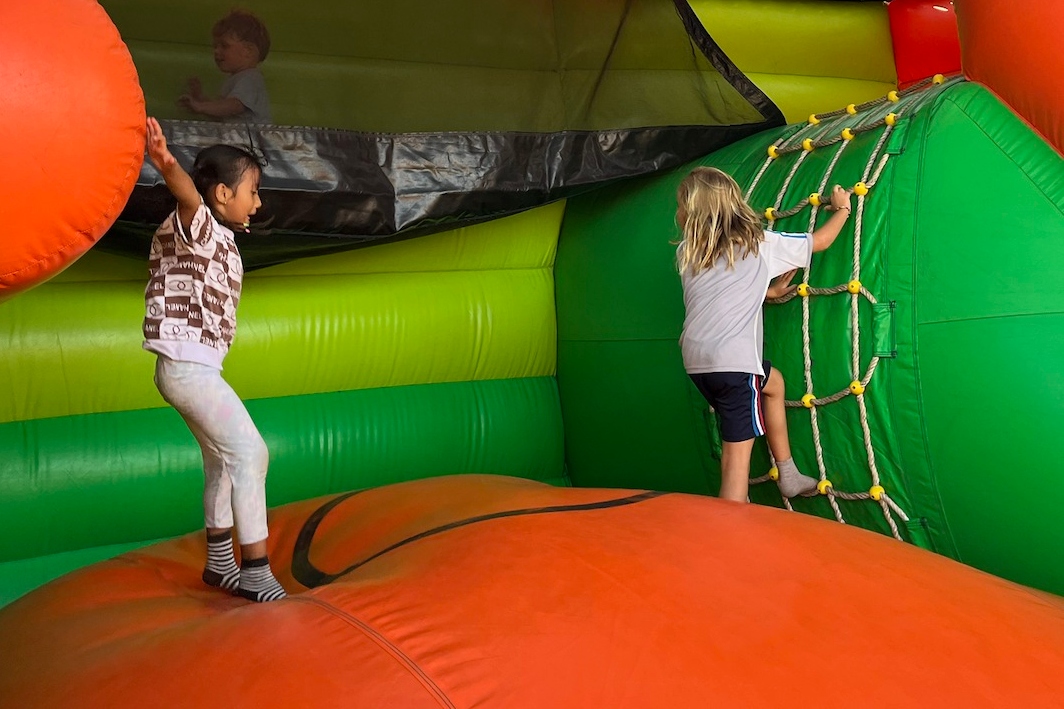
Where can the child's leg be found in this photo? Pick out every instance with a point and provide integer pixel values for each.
(217, 485)
(220, 570)
(203, 397)
(735, 470)
(792, 483)
(776, 416)
(222, 425)
(735, 397)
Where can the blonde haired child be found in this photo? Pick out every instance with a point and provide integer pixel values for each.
(727, 262)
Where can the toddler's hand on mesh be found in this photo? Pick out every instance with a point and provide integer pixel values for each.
(191, 103)
(195, 88)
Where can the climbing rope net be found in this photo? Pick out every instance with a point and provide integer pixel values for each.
(804, 143)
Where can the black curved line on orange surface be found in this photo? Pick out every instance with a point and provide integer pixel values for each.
(307, 574)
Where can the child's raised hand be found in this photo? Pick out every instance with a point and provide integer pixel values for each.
(840, 198)
(825, 236)
(195, 88)
(160, 155)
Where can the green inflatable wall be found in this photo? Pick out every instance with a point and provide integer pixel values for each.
(425, 357)
(961, 247)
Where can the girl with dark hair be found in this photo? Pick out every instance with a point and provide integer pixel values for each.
(191, 300)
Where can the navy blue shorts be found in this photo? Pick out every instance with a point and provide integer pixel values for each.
(736, 397)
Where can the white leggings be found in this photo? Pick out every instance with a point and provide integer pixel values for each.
(235, 457)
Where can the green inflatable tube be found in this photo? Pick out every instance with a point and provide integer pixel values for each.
(960, 247)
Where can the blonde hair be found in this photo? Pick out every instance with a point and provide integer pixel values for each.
(716, 221)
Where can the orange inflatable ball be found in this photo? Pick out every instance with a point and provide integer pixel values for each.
(481, 591)
(73, 129)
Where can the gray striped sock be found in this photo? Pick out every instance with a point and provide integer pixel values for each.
(257, 582)
(221, 570)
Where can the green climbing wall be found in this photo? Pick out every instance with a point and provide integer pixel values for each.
(961, 244)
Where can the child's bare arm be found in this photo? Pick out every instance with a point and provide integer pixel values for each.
(213, 107)
(180, 184)
(825, 236)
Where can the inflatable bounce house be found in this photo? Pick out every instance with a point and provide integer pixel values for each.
(491, 480)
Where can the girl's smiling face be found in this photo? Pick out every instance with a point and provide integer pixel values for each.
(236, 206)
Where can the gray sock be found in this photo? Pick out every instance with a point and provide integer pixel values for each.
(221, 570)
(257, 582)
(792, 483)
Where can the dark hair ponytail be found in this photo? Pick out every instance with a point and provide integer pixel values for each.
(221, 165)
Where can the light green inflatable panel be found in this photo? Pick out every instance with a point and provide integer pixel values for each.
(480, 299)
(464, 65)
(517, 65)
(417, 358)
(807, 55)
(961, 245)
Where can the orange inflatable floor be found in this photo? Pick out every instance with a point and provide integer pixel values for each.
(480, 591)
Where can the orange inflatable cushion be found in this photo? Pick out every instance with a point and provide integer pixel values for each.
(480, 591)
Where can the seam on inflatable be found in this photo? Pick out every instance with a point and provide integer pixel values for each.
(966, 110)
(388, 646)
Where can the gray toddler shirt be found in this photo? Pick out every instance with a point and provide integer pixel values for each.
(249, 87)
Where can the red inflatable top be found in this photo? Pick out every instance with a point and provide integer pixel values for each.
(1014, 49)
(924, 34)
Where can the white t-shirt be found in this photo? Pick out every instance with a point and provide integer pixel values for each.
(194, 289)
(249, 87)
(723, 329)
